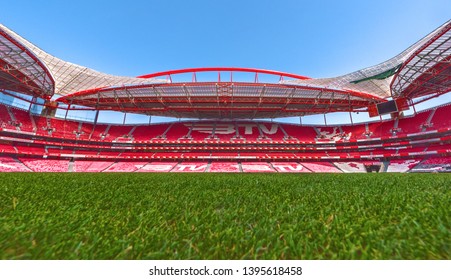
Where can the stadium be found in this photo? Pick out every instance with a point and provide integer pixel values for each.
(226, 130)
(225, 120)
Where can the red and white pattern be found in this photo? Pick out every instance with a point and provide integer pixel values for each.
(125, 166)
(224, 167)
(402, 165)
(351, 167)
(157, 167)
(91, 166)
(434, 165)
(190, 167)
(289, 167)
(256, 167)
(8, 164)
(46, 165)
(321, 167)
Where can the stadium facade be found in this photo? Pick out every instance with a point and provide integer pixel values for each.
(224, 134)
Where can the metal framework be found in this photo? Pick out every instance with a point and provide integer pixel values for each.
(21, 70)
(221, 99)
(387, 87)
(69, 77)
(427, 70)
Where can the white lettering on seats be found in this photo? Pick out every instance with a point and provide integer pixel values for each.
(287, 168)
(162, 167)
(230, 128)
(191, 167)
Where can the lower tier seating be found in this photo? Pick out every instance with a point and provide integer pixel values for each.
(11, 164)
(402, 165)
(8, 164)
(46, 165)
(434, 165)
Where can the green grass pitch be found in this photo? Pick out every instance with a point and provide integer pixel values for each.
(224, 216)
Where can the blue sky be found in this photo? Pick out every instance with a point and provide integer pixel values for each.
(311, 38)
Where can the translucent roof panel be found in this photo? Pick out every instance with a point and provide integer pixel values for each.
(428, 69)
(376, 80)
(69, 77)
(21, 70)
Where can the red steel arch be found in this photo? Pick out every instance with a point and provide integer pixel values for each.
(223, 69)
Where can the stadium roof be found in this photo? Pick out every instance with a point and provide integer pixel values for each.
(421, 70)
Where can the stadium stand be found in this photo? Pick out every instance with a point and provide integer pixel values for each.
(351, 167)
(190, 167)
(224, 167)
(299, 132)
(7, 149)
(413, 124)
(289, 167)
(157, 167)
(223, 134)
(90, 166)
(433, 165)
(256, 167)
(125, 166)
(402, 165)
(46, 165)
(441, 117)
(8, 164)
(321, 167)
(5, 119)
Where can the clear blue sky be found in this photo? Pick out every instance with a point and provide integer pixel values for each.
(311, 38)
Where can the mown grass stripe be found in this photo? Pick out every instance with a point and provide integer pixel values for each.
(224, 216)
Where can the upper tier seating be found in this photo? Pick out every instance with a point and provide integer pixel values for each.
(178, 131)
(301, 133)
(413, 124)
(381, 129)
(23, 117)
(149, 132)
(5, 119)
(441, 117)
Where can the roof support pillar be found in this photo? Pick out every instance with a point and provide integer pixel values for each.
(413, 106)
(33, 101)
(96, 117)
(67, 111)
